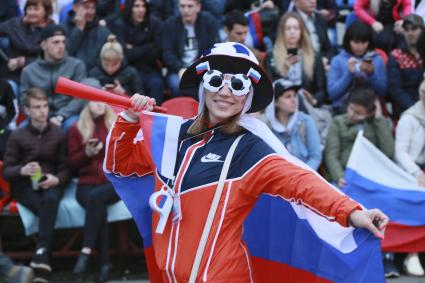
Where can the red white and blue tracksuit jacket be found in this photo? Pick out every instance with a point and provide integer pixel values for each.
(255, 169)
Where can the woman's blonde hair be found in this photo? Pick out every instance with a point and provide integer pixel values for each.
(280, 50)
(86, 125)
(112, 50)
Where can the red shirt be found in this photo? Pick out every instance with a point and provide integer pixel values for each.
(89, 169)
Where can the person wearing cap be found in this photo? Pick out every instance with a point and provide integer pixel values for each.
(86, 150)
(230, 84)
(405, 66)
(295, 129)
(44, 72)
(85, 36)
(35, 164)
(184, 37)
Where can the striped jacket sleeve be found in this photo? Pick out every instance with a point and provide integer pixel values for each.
(126, 154)
(279, 177)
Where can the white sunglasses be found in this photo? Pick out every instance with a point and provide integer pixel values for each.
(214, 80)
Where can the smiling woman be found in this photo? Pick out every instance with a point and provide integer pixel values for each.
(225, 160)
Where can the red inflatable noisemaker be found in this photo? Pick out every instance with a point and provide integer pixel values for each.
(78, 90)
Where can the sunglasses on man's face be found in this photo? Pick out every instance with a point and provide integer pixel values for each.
(239, 84)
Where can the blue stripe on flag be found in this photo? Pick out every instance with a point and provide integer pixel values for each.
(158, 139)
(135, 192)
(400, 205)
(253, 31)
(289, 240)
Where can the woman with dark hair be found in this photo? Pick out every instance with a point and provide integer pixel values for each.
(357, 65)
(294, 59)
(140, 35)
(385, 18)
(24, 34)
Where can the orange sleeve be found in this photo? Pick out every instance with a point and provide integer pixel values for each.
(125, 152)
(279, 177)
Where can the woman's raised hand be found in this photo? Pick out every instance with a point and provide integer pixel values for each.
(373, 219)
(138, 104)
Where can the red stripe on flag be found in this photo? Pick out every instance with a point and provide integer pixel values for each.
(403, 238)
(146, 124)
(258, 27)
(267, 271)
(155, 275)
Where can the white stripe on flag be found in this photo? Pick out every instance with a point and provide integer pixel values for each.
(170, 146)
(369, 162)
(334, 234)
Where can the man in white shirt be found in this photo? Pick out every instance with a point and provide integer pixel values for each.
(316, 25)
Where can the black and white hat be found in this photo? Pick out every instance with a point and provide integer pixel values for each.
(230, 58)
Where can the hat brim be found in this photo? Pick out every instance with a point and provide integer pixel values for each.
(279, 91)
(263, 90)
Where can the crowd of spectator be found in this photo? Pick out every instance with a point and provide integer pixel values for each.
(329, 85)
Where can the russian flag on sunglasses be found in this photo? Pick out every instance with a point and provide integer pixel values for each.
(160, 134)
(375, 181)
(282, 242)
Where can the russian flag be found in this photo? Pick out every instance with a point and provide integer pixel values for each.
(202, 67)
(286, 240)
(255, 35)
(254, 75)
(285, 244)
(375, 181)
(160, 134)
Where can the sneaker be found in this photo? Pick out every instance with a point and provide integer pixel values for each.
(413, 266)
(42, 276)
(390, 269)
(104, 273)
(80, 267)
(20, 274)
(41, 260)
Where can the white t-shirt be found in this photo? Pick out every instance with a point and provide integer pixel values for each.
(190, 46)
(309, 22)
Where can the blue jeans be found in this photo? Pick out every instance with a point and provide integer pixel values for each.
(153, 83)
(5, 265)
(173, 82)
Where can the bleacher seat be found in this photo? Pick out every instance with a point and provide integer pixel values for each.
(70, 214)
(184, 106)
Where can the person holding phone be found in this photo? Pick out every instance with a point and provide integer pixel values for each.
(357, 65)
(113, 72)
(294, 59)
(86, 143)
